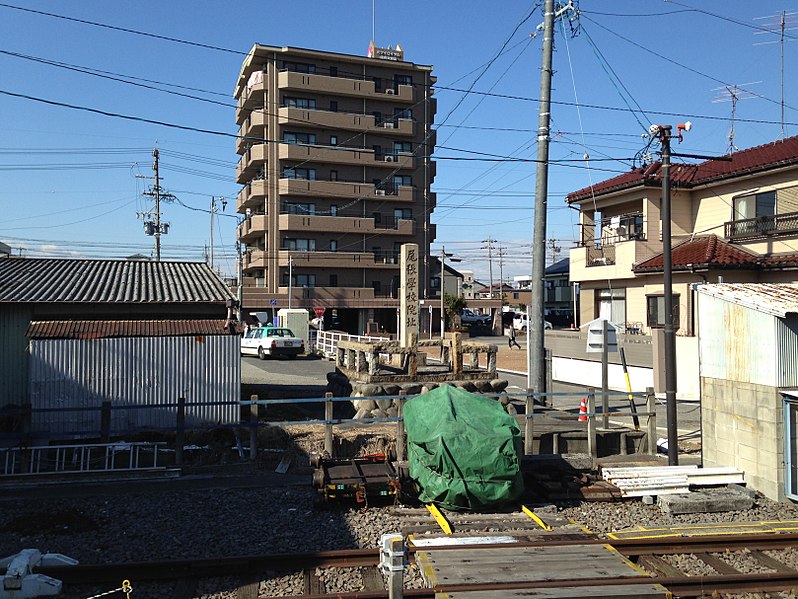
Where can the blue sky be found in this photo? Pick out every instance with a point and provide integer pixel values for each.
(69, 177)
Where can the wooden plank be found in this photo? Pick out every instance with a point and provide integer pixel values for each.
(284, 464)
(658, 565)
(372, 579)
(771, 562)
(249, 588)
(716, 563)
(605, 592)
(312, 583)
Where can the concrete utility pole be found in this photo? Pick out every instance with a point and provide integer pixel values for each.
(239, 290)
(213, 209)
(537, 355)
(501, 253)
(490, 241)
(157, 192)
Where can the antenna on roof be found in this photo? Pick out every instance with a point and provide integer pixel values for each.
(373, 20)
(778, 24)
(732, 93)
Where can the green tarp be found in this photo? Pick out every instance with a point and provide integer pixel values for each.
(464, 450)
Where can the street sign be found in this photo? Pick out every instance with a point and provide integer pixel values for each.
(319, 312)
(273, 302)
(430, 308)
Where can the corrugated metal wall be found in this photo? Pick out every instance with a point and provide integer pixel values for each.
(14, 322)
(787, 337)
(737, 343)
(138, 375)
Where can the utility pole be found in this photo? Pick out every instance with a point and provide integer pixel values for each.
(443, 290)
(156, 228)
(213, 209)
(501, 253)
(239, 290)
(490, 241)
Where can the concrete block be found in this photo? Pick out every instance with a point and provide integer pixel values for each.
(704, 502)
(648, 499)
(742, 490)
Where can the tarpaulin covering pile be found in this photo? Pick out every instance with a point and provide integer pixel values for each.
(464, 450)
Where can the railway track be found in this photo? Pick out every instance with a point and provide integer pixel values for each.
(656, 561)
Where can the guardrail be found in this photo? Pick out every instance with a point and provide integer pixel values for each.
(326, 342)
(82, 458)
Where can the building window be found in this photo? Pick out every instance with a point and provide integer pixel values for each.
(377, 84)
(300, 245)
(404, 147)
(333, 105)
(333, 175)
(306, 103)
(333, 71)
(296, 208)
(299, 138)
(435, 282)
(299, 67)
(791, 449)
(377, 151)
(399, 180)
(377, 287)
(333, 140)
(300, 280)
(299, 173)
(655, 311)
(401, 113)
(334, 280)
(403, 213)
(611, 305)
(333, 245)
(402, 80)
(755, 206)
(377, 118)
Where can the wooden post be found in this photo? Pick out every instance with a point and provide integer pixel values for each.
(651, 408)
(328, 427)
(591, 424)
(396, 573)
(529, 427)
(400, 430)
(253, 429)
(105, 422)
(457, 353)
(180, 433)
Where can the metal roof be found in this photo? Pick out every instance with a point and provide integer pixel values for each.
(104, 329)
(48, 280)
(778, 299)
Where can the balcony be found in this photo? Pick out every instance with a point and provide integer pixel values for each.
(342, 86)
(252, 228)
(327, 154)
(251, 196)
(609, 261)
(254, 259)
(250, 163)
(346, 121)
(303, 259)
(253, 127)
(346, 224)
(345, 190)
(251, 98)
(762, 226)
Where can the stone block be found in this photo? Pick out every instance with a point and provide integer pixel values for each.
(499, 385)
(384, 404)
(391, 389)
(366, 405)
(704, 502)
(734, 488)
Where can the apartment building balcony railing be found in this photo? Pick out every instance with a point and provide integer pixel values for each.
(250, 99)
(343, 86)
(762, 226)
(342, 259)
(254, 259)
(252, 227)
(252, 195)
(290, 220)
(250, 163)
(615, 229)
(347, 121)
(251, 131)
(345, 190)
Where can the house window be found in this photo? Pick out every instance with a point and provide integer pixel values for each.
(655, 311)
(299, 67)
(755, 205)
(300, 245)
(306, 103)
(299, 173)
(304, 209)
(299, 138)
(611, 305)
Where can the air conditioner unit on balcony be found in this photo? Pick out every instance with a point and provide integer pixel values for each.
(388, 125)
(379, 192)
(390, 91)
(389, 158)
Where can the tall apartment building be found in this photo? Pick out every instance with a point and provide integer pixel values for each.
(336, 177)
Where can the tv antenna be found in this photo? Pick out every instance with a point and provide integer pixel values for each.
(778, 24)
(733, 93)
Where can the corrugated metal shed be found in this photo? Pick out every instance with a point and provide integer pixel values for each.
(777, 299)
(13, 360)
(104, 329)
(140, 376)
(109, 281)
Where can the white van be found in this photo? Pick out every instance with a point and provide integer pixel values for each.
(520, 322)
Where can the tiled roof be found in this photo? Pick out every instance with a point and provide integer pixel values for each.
(778, 299)
(702, 252)
(104, 329)
(709, 251)
(761, 158)
(46, 280)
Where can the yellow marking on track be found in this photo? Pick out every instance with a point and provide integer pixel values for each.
(706, 530)
(426, 568)
(439, 518)
(627, 561)
(535, 517)
(584, 528)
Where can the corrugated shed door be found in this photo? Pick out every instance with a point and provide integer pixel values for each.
(14, 322)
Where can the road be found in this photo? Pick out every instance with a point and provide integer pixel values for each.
(306, 377)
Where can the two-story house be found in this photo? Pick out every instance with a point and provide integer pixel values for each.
(732, 221)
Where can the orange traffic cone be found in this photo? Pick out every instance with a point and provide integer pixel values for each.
(583, 411)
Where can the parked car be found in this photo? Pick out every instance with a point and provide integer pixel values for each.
(520, 322)
(473, 319)
(271, 341)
